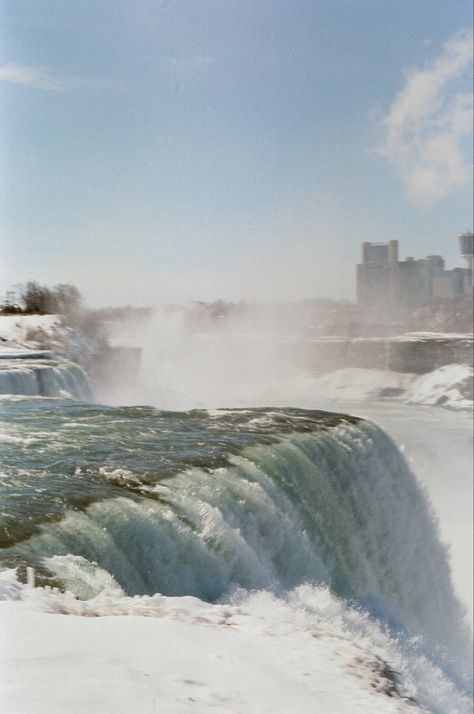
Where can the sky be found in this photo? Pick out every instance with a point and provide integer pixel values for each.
(171, 150)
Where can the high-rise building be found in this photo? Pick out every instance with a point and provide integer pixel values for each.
(466, 244)
(384, 281)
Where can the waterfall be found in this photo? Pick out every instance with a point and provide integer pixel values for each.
(42, 375)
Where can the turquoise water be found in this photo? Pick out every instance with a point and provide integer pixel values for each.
(60, 454)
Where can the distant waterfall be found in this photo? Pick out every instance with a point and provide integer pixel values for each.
(43, 375)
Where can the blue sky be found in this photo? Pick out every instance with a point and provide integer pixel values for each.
(169, 150)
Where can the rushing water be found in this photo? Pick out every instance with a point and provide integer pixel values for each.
(132, 501)
(42, 374)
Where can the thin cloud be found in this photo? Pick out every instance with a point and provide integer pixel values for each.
(42, 78)
(427, 123)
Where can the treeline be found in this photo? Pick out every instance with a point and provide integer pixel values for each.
(80, 333)
(35, 299)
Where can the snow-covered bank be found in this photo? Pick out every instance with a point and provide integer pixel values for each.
(23, 330)
(448, 386)
(258, 655)
(46, 332)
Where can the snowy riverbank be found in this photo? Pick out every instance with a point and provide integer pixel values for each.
(448, 386)
(260, 656)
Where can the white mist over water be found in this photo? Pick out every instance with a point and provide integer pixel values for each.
(193, 358)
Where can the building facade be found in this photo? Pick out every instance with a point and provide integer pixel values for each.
(385, 281)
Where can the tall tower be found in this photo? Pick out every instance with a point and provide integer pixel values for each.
(393, 251)
(466, 244)
(393, 274)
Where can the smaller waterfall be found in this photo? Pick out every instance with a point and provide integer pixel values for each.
(42, 375)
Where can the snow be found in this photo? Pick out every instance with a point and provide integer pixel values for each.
(448, 386)
(262, 655)
(16, 328)
(442, 386)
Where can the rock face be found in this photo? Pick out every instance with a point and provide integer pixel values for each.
(427, 354)
(416, 353)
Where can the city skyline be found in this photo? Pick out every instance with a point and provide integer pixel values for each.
(235, 150)
(386, 282)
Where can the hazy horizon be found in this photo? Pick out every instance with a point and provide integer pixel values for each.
(168, 152)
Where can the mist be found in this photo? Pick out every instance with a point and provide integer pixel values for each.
(209, 355)
(206, 356)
